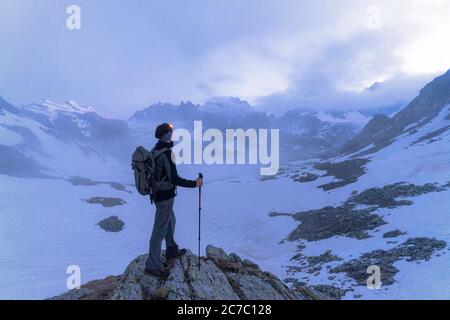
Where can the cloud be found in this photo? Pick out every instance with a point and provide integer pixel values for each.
(277, 53)
(327, 62)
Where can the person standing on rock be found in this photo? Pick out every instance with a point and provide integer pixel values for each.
(164, 225)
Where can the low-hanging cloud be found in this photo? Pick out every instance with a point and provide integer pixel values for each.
(278, 54)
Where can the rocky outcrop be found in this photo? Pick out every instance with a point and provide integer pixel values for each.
(219, 277)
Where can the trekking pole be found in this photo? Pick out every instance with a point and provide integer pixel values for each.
(200, 176)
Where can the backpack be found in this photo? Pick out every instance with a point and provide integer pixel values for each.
(147, 167)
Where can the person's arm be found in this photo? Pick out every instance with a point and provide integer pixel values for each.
(176, 179)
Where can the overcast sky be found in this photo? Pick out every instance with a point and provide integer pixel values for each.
(278, 54)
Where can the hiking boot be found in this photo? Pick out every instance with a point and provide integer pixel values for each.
(173, 252)
(161, 274)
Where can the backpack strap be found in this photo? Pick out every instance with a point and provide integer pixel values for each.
(165, 162)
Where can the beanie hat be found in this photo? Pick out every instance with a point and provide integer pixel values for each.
(163, 129)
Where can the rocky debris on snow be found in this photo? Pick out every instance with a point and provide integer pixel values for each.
(325, 257)
(221, 276)
(430, 137)
(393, 234)
(111, 224)
(278, 214)
(305, 177)
(311, 264)
(80, 181)
(386, 197)
(414, 249)
(331, 291)
(335, 221)
(106, 202)
(346, 171)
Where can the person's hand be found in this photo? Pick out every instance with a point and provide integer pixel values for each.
(199, 182)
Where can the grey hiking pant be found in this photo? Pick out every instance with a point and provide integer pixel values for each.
(163, 228)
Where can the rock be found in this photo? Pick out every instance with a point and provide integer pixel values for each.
(94, 290)
(111, 224)
(386, 196)
(331, 291)
(80, 181)
(335, 221)
(106, 202)
(307, 177)
(220, 277)
(327, 256)
(414, 249)
(346, 171)
(393, 234)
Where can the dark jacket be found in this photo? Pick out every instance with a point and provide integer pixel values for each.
(175, 178)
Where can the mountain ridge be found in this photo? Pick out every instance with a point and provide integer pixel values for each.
(381, 130)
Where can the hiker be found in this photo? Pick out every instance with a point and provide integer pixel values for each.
(167, 178)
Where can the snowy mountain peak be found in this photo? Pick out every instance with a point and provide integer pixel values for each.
(68, 106)
(52, 109)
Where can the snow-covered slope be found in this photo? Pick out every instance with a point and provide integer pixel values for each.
(64, 168)
(384, 204)
(59, 140)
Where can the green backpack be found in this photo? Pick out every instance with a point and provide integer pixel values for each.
(147, 167)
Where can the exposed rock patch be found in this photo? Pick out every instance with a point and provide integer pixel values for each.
(311, 264)
(106, 202)
(393, 234)
(386, 197)
(306, 177)
(111, 224)
(80, 181)
(414, 249)
(335, 221)
(431, 137)
(94, 290)
(346, 171)
(331, 291)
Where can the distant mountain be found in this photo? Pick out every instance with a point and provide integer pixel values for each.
(382, 130)
(303, 133)
(43, 138)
